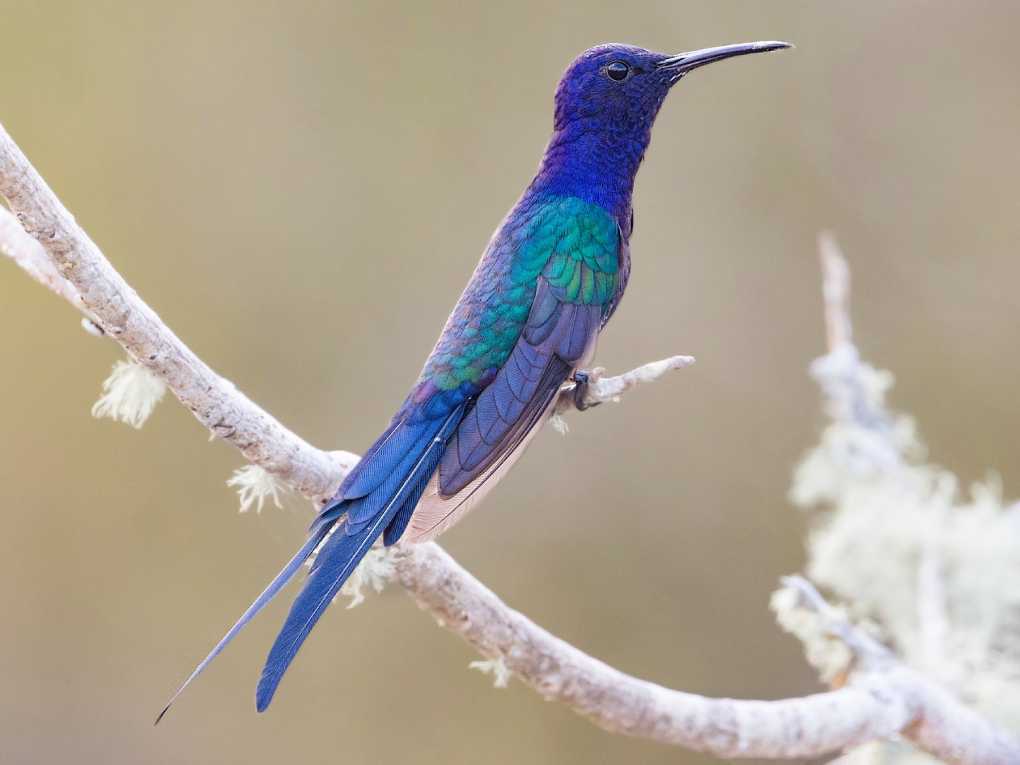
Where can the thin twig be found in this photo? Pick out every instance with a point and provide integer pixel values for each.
(851, 403)
(835, 291)
(869, 652)
(842, 375)
(602, 389)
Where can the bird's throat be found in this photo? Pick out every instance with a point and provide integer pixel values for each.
(597, 166)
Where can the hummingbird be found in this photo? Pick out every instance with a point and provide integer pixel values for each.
(527, 324)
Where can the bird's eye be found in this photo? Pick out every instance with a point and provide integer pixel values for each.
(618, 71)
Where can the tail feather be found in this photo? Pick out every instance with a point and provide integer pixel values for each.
(334, 564)
(261, 602)
(365, 519)
(395, 528)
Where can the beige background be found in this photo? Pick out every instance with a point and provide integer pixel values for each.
(301, 190)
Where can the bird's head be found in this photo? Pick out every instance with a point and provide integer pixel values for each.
(619, 88)
(605, 106)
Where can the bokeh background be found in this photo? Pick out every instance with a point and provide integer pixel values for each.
(301, 190)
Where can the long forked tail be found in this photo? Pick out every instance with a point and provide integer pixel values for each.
(401, 476)
(377, 496)
(336, 561)
(261, 602)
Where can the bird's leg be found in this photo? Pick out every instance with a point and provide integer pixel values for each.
(582, 380)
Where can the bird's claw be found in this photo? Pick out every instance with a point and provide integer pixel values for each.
(582, 380)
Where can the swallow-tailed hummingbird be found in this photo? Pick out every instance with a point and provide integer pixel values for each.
(550, 278)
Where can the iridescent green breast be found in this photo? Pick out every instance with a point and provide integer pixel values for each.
(573, 244)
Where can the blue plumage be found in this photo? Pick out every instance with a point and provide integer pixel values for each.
(390, 477)
(366, 518)
(550, 279)
(261, 602)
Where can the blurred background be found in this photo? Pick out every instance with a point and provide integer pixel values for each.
(301, 190)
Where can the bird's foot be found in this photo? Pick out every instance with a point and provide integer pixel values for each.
(582, 380)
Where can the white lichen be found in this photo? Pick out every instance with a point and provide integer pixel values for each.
(500, 672)
(376, 570)
(826, 652)
(254, 485)
(887, 521)
(559, 423)
(130, 394)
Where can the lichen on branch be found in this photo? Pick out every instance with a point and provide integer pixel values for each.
(876, 702)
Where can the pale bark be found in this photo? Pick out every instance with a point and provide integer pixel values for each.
(882, 697)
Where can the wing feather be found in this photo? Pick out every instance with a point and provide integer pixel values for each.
(556, 338)
(579, 268)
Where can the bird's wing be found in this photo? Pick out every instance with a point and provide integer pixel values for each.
(557, 336)
(575, 290)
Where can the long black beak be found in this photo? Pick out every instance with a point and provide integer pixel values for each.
(682, 63)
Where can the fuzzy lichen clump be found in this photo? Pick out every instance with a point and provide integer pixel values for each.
(497, 668)
(559, 423)
(254, 486)
(937, 568)
(826, 652)
(130, 394)
(375, 571)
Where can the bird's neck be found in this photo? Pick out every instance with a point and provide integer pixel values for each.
(594, 164)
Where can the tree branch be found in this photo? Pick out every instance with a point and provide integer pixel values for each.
(842, 375)
(117, 309)
(877, 702)
(602, 389)
(30, 255)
